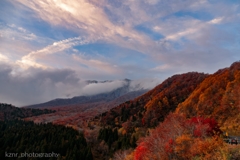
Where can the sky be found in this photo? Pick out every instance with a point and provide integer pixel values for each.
(49, 47)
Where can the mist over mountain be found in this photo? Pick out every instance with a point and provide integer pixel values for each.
(105, 91)
(36, 85)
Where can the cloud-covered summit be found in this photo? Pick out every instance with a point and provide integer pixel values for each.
(39, 85)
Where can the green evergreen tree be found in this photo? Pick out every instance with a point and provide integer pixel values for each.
(89, 155)
(115, 134)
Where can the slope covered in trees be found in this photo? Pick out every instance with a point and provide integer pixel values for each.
(205, 106)
(195, 129)
(218, 97)
(179, 138)
(133, 118)
(150, 108)
(20, 137)
(9, 112)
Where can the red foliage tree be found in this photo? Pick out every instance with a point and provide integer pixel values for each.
(204, 126)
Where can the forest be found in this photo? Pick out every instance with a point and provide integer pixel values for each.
(19, 136)
(10, 112)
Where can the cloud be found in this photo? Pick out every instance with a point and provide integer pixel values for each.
(97, 65)
(146, 84)
(30, 59)
(96, 88)
(3, 58)
(17, 41)
(36, 85)
(121, 18)
(88, 19)
(14, 32)
(47, 58)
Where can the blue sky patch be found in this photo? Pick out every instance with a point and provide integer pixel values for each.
(152, 34)
(201, 15)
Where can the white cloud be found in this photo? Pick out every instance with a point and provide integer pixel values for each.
(35, 85)
(163, 68)
(3, 58)
(31, 58)
(147, 83)
(16, 32)
(97, 65)
(216, 20)
(96, 88)
(90, 20)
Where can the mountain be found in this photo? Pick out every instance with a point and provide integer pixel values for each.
(151, 108)
(75, 115)
(127, 89)
(217, 97)
(75, 111)
(135, 118)
(195, 129)
(185, 117)
(193, 94)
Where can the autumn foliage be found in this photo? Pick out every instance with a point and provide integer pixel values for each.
(178, 138)
(151, 108)
(203, 107)
(217, 97)
(204, 126)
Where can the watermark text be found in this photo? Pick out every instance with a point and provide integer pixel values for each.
(32, 154)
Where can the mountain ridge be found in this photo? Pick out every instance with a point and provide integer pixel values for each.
(127, 87)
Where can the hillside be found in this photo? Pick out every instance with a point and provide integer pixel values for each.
(134, 118)
(204, 107)
(217, 97)
(75, 115)
(9, 112)
(45, 141)
(76, 111)
(150, 109)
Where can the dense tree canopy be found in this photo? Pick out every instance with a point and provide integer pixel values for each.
(10, 112)
(20, 136)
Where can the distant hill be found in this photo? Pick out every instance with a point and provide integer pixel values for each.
(74, 111)
(124, 91)
(75, 114)
(9, 112)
